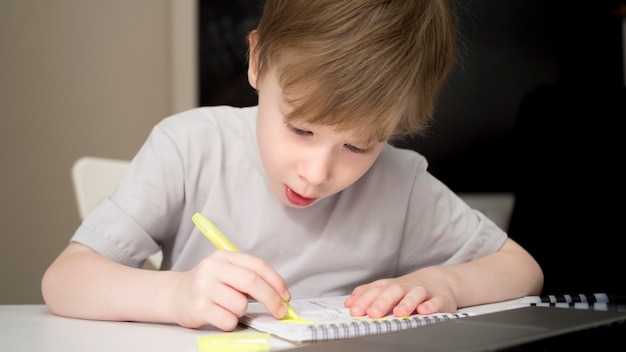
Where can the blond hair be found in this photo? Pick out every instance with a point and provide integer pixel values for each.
(374, 67)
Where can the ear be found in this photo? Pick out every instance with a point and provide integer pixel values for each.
(253, 60)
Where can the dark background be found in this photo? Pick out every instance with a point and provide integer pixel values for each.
(507, 48)
(532, 107)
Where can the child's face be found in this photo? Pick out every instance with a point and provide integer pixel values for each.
(305, 162)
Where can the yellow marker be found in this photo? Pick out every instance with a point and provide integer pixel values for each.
(213, 233)
(234, 342)
(222, 242)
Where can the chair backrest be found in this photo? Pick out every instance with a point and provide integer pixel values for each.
(95, 178)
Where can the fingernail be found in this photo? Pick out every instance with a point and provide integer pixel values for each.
(282, 310)
(357, 310)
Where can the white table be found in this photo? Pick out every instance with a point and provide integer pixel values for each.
(31, 328)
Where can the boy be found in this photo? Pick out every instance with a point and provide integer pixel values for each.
(305, 184)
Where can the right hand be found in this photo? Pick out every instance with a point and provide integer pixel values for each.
(216, 291)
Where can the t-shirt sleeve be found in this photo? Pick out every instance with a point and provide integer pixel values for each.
(442, 228)
(131, 224)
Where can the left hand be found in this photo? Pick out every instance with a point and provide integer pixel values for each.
(423, 292)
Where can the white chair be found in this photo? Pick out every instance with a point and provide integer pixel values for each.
(95, 178)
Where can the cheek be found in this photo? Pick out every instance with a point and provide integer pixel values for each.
(349, 171)
(264, 139)
(274, 154)
(272, 162)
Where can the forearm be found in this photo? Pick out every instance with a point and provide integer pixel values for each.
(506, 274)
(83, 284)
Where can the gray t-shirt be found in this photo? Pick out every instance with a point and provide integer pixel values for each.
(393, 220)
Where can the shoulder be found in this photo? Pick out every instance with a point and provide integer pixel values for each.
(212, 116)
(206, 124)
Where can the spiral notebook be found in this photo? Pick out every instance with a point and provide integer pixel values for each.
(521, 329)
(326, 319)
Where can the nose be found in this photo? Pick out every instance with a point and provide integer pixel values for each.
(316, 167)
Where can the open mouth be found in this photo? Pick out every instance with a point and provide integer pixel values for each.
(296, 199)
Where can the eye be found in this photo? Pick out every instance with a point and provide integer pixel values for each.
(356, 150)
(299, 131)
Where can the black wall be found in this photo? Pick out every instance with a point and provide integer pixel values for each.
(222, 48)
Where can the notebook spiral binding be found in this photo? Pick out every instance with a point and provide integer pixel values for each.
(372, 327)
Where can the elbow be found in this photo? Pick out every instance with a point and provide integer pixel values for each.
(47, 289)
(534, 276)
(537, 285)
(50, 292)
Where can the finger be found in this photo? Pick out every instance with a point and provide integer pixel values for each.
(265, 271)
(219, 317)
(359, 291)
(408, 304)
(355, 295)
(205, 297)
(251, 276)
(430, 306)
(386, 301)
(231, 300)
(359, 306)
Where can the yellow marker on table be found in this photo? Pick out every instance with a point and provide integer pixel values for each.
(234, 342)
(222, 242)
